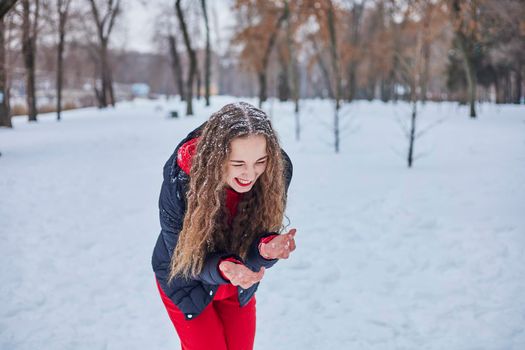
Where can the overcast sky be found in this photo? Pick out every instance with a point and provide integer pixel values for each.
(139, 17)
(138, 25)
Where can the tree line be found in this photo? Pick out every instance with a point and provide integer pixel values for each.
(414, 50)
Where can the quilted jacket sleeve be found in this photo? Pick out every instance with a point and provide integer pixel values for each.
(171, 211)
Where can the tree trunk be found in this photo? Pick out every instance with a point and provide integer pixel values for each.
(198, 87)
(323, 68)
(385, 89)
(292, 71)
(109, 84)
(357, 12)
(106, 75)
(5, 115)
(103, 78)
(29, 51)
(337, 76)
(283, 86)
(98, 94)
(104, 24)
(296, 85)
(426, 50)
(176, 67)
(470, 73)
(107, 92)
(192, 58)
(497, 88)
(426, 70)
(207, 62)
(266, 59)
(262, 87)
(63, 8)
(508, 88)
(111, 90)
(189, 89)
(466, 56)
(518, 81)
(352, 82)
(336, 129)
(412, 135)
(472, 83)
(297, 121)
(60, 65)
(334, 56)
(60, 60)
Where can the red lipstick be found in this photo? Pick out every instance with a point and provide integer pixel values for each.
(242, 185)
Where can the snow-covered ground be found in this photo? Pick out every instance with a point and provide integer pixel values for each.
(388, 258)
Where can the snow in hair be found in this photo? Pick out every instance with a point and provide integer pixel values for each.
(229, 117)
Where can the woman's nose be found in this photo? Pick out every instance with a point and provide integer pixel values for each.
(249, 172)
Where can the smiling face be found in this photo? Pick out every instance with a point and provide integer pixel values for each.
(247, 161)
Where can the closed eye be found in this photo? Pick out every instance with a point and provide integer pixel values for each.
(239, 163)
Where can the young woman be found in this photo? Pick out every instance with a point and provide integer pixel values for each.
(221, 205)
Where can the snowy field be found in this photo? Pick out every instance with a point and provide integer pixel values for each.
(388, 258)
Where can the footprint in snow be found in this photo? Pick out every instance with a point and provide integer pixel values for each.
(301, 265)
(330, 276)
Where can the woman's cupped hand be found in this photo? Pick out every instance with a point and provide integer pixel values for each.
(240, 275)
(279, 247)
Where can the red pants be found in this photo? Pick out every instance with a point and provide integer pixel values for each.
(223, 325)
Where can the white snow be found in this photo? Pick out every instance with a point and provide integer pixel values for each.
(388, 258)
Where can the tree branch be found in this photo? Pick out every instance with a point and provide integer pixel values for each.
(429, 127)
(114, 12)
(5, 6)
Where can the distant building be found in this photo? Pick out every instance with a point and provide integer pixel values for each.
(140, 90)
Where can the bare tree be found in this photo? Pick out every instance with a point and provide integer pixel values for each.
(283, 85)
(5, 116)
(259, 25)
(327, 20)
(427, 19)
(319, 58)
(104, 24)
(292, 69)
(464, 19)
(261, 74)
(176, 66)
(356, 16)
(207, 64)
(191, 56)
(30, 30)
(331, 20)
(62, 9)
(410, 73)
(412, 60)
(502, 29)
(198, 84)
(166, 32)
(413, 75)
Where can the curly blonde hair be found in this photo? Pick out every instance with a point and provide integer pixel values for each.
(205, 226)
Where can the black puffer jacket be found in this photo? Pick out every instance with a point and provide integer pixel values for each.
(192, 295)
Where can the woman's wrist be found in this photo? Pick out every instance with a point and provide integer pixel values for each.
(230, 259)
(265, 240)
